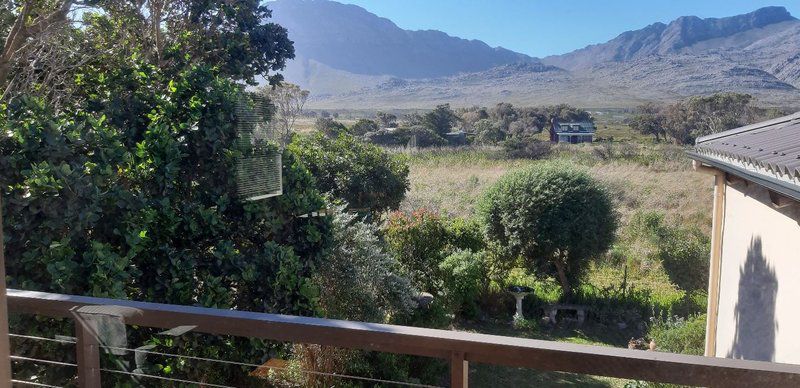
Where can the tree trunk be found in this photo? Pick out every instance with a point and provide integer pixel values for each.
(562, 277)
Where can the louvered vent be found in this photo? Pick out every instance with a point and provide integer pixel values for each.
(258, 170)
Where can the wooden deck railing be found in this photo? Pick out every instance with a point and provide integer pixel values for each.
(459, 348)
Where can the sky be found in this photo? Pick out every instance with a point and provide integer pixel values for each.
(549, 27)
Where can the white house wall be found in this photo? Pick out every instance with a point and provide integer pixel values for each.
(759, 300)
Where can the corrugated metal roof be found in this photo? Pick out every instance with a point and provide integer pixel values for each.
(770, 148)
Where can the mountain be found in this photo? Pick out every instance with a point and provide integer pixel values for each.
(350, 58)
(678, 36)
(348, 38)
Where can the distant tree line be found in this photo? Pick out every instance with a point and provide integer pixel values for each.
(513, 128)
(686, 120)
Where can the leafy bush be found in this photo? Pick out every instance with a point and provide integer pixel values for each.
(360, 281)
(465, 279)
(466, 233)
(486, 132)
(526, 147)
(554, 217)
(100, 204)
(382, 137)
(422, 239)
(364, 175)
(362, 126)
(679, 335)
(329, 127)
(418, 240)
(424, 137)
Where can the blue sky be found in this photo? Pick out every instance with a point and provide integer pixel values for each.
(546, 27)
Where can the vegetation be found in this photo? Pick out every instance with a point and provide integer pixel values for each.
(686, 120)
(679, 335)
(552, 217)
(365, 176)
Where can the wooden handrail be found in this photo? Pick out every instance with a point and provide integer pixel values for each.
(458, 347)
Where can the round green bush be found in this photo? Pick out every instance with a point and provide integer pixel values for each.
(553, 217)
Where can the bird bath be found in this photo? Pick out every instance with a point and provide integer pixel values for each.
(519, 293)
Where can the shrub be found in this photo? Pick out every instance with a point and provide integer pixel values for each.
(418, 240)
(526, 147)
(329, 126)
(382, 137)
(422, 239)
(466, 233)
(360, 281)
(362, 126)
(364, 175)
(424, 137)
(553, 216)
(486, 132)
(679, 335)
(465, 279)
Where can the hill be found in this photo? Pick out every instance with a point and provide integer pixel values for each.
(350, 58)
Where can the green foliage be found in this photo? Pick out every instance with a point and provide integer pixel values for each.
(465, 279)
(440, 120)
(422, 239)
(418, 240)
(424, 137)
(359, 280)
(683, 252)
(362, 174)
(362, 126)
(329, 127)
(526, 147)
(649, 120)
(554, 217)
(679, 335)
(100, 201)
(486, 132)
(688, 119)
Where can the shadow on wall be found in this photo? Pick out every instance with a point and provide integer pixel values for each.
(755, 308)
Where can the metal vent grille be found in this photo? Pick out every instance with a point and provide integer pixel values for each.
(258, 169)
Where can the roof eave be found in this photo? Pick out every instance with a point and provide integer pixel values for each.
(770, 183)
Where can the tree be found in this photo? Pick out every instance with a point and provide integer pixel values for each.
(440, 120)
(386, 120)
(288, 100)
(649, 120)
(234, 36)
(329, 127)
(362, 174)
(552, 216)
(362, 126)
(697, 116)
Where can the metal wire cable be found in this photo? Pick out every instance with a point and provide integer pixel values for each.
(40, 361)
(164, 378)
(257, 366)
(31, 383)
(343, 376)
(41, 338)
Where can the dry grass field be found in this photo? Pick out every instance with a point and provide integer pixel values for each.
(657, 177)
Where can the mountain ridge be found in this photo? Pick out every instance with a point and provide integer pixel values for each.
(756, 53)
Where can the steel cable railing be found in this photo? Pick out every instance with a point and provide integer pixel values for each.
(196, 358)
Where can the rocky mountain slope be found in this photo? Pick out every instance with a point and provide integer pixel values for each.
(350, 58)
(347, 37)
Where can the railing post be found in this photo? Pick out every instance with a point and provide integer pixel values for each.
(88, 355)
(459, 370)
(5, 349)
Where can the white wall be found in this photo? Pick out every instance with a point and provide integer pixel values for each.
(759, 300)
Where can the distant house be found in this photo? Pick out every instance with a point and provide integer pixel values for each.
(572, 133)
(754, 282)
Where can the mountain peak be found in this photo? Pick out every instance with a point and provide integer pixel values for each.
(662, 39)
(351, 39)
